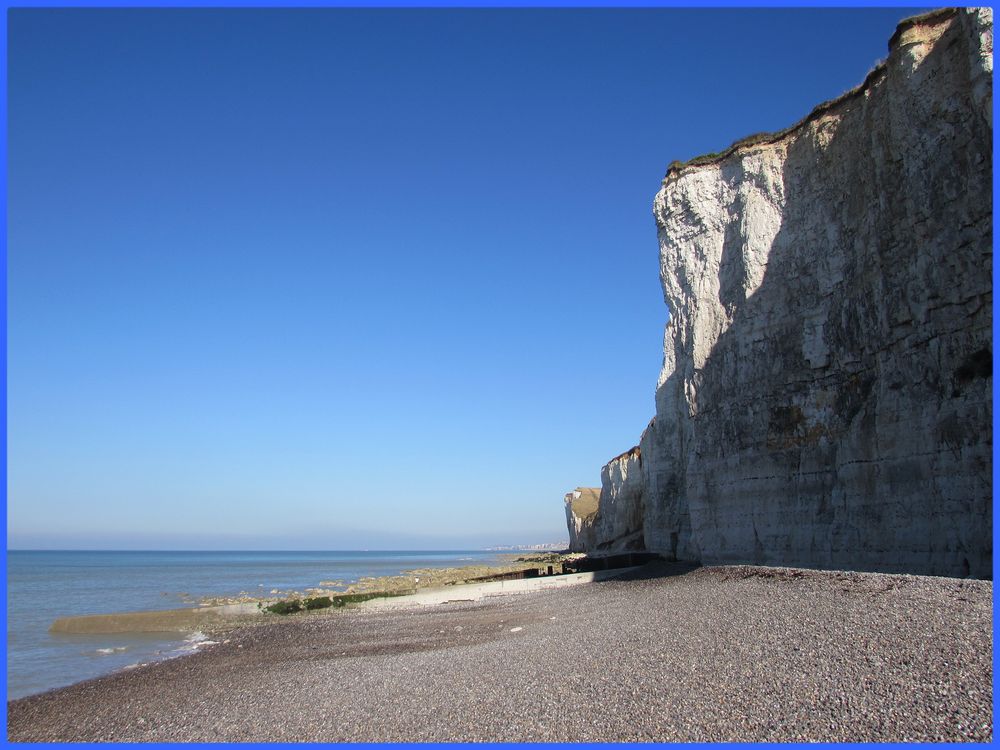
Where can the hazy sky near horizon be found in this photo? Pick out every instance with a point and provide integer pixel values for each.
(356, 278)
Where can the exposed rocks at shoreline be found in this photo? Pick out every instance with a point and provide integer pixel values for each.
(410, 580)
(219, 615)
(717, 654)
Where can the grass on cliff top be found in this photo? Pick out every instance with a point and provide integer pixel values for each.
(878, 69)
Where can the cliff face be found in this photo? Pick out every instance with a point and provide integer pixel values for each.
(825, 397)
(618, 524)
(581, 507)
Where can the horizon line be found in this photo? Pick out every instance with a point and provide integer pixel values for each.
(367, 549)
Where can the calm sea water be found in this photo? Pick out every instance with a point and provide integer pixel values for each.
(42, 586)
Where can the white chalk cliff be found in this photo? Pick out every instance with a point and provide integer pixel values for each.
(826, 392)
(581, 507)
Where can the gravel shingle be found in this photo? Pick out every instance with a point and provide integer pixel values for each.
(715, 654)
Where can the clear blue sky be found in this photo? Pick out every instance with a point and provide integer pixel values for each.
(348, 279)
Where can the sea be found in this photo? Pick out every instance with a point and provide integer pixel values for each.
(45, 585)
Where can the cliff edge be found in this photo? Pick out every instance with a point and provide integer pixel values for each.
(826, 392)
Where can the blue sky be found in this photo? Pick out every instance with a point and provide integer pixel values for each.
(356, 278)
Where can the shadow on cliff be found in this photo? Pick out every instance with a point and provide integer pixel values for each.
(842, 434)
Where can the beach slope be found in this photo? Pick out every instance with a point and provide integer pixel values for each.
(663, 654)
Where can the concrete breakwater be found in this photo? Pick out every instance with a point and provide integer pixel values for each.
(472, 592)
(228, 616)
(233, 615)
(825, 398)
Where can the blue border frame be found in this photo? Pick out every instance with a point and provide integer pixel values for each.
(431, 4)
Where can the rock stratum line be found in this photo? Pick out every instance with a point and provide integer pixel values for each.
(825, 399)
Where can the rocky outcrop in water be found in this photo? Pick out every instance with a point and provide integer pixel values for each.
(826, 392)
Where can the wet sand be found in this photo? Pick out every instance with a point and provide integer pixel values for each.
(713, 654)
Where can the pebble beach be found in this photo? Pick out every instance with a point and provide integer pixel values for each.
(666, 653)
